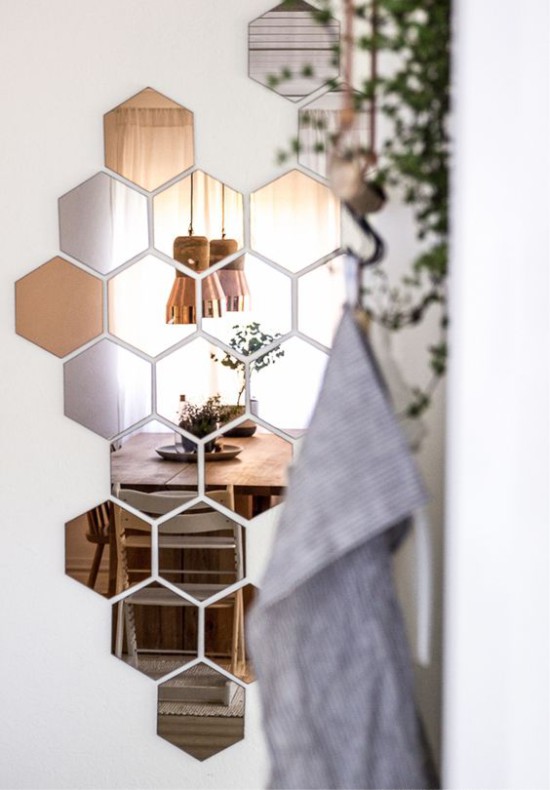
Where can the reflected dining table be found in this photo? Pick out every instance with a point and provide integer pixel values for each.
(257, 473)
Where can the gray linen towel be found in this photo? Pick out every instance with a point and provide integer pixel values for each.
(326, 635)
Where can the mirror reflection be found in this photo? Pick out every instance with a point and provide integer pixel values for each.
(201, 711)
(319, 121)
(295, 221)
(92, 554)
(155, 630)
(137, 307)
(226, 351)
(225, 642)
(291, 52)
(149, 139)
(199, 205)
(103, 223)
(96, 386)
(322, 291)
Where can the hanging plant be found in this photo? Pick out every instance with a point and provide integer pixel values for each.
(413, 160)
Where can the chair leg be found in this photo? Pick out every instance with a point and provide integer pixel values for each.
(238, 651)
(96, 562)
(234, 668)
(131, 638)
(242, 645)
(119, 634)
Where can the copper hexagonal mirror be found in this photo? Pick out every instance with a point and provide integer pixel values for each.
(149, 139)
(59, 307)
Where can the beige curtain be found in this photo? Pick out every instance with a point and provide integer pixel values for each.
(149, 146)
(295, 221)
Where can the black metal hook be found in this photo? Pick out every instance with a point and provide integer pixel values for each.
(379, 244)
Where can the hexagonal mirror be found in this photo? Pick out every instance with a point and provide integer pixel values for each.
(155, 630)
(92, 550)
(295, 220)
(225, 633)
(149, 461)
(193, 390)
(138, 298)
(201, 550)
(286, 394)
(252, 461)
(149, 139)
(259, 294)
(198, 209)
(97, 383)
(291, 51)
(322, 292)
(59, 307)
(319, 121)
(201, 711)
(103, 223)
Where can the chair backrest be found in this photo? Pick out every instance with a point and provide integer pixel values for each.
(190, 523)
(99, 520)
(159, 503)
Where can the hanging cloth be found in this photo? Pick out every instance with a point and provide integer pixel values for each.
(326, 635)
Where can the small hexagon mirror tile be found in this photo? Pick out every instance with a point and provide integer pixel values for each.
(319, 121)
(59, 307)
(149, 139)
(207, 205)
(255, 463)
(191, 388)
(97, 383)
(287, 393)
(291, 52)
(201, 711)
(225, 633)
(322, 292)
(91, 548)
(103, 223)
(201, 550)
(295, 221)
(138, 298)
(155, 630)
(265, 300)
(150, 461)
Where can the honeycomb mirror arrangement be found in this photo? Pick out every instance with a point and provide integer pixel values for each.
(194, 323)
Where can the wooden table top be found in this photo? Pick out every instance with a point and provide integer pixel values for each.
(262, 464)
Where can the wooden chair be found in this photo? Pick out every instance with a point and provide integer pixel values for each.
(100, 533)
(193, 529)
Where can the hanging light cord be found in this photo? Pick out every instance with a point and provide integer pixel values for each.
(348, 113)
(374, 77)
(191, 211)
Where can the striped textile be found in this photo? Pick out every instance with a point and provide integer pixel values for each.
(326, 634)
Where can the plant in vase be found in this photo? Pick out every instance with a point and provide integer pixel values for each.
(247, 340)
(199, 420)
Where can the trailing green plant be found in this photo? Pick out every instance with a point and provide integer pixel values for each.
(413, 162)
(248, 340)
(201, 419)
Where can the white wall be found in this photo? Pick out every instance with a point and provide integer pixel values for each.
(497, 619)
(72, 716)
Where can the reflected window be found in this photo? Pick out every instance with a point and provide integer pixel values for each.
(149, 139)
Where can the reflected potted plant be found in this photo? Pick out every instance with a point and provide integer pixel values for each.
(247, 340)
(200, 420)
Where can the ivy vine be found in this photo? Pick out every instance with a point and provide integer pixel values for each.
(414, 157)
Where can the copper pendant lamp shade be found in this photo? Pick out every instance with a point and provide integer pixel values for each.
(181, 308)
(232, 277)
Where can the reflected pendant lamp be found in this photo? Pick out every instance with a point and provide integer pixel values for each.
(232, 276)
(193, 251)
